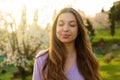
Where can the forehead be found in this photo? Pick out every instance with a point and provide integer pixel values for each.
(67, 17)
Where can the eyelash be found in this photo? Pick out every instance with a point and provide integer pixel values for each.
(63, 24)
(72, 25)
(60, 24)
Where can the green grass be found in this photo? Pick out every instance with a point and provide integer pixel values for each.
(8, 75)
(105, 34)
(109, 71)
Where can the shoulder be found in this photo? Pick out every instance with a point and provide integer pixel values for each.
(39, 62)
(41, 57)
(42, 53)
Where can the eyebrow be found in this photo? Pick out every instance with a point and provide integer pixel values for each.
(73, 21)
(69, 21)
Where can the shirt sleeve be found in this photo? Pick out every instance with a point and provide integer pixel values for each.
(37, 70)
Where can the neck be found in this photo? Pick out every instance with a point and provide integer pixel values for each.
(70, 49)
(71, 56)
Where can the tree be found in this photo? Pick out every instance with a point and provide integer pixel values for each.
(102, 10)
(90, 29)
(114, 16)
(3, 39)
(23, 17)
(35, 19)
(23, 42)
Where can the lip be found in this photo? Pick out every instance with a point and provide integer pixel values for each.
(65, 35)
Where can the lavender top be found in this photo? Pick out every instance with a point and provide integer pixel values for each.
(72, 74)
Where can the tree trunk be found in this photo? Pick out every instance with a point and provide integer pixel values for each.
(22, 72)
(112, 28)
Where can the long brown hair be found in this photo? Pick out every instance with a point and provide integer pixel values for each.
(86, 61)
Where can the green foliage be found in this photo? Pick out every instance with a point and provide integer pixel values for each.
(90, 29)
(115, 12)
(114, 16)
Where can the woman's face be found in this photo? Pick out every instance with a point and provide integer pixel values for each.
(67, 29)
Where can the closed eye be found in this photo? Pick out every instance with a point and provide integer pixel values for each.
(60, 23)
(72, 25)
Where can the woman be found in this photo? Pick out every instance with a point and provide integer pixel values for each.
(70, 55)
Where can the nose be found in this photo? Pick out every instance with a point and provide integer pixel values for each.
(66, 28)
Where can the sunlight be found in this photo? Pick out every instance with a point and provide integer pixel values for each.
(46, 8)
(91, 7)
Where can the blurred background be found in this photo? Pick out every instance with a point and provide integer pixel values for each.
(25, 27)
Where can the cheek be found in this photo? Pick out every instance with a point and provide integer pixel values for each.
(75, 34)
(57, 32)
(75, 31)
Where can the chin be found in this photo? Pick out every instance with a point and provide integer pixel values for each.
(66, 41)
